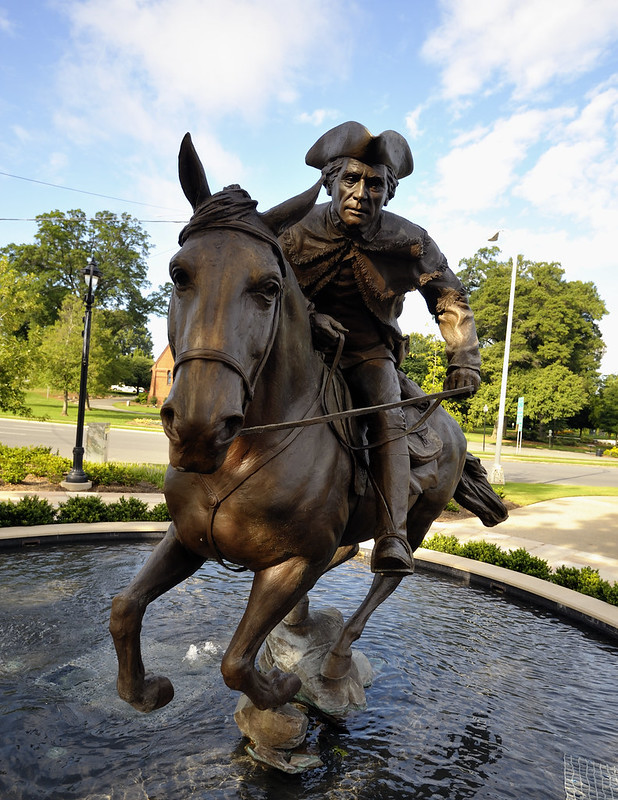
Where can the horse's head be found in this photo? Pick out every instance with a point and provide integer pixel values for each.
(228, 279)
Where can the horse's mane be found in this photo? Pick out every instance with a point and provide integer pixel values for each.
(232, 204)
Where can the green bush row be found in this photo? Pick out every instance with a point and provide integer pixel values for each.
(33, 510)
(17, 462)
(585, 580)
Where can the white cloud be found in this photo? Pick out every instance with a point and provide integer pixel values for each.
(134, 67)
(523, 43)
(319, 116)
(482, 165)
(578, 175)
(6, 26)
(412, 122)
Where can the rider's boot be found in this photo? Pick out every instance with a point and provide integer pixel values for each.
(390, 466)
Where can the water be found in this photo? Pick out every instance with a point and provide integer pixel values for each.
(474, 696)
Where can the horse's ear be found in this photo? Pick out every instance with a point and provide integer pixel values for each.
(191, 173)
(281, 217)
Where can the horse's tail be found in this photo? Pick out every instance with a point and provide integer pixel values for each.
(474, 493)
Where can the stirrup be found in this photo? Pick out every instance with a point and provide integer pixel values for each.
(391, 555)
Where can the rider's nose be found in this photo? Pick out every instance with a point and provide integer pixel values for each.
(359, 190)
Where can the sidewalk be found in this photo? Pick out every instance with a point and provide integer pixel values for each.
(574, 531)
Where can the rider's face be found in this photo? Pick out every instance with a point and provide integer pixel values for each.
(358, 194)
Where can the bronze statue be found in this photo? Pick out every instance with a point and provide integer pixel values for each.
(355, 262)
(288, 501)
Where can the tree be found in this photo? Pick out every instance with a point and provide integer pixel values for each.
(554, 324)
(137, 370)
(19, 301)
(59, 354)
(605, 414)
(426, 365)
(63, 244)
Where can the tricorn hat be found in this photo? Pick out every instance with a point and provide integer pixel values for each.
(353, 140)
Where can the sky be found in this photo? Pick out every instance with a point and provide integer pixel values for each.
(510, 108)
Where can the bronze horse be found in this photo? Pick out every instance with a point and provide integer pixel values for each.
(281, 503)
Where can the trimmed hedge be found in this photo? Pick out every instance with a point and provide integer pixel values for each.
(35, 510)
(17, 462)
(585, 580)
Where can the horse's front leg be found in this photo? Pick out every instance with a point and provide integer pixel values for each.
(169, 564)
(274, 594)
(338, 660)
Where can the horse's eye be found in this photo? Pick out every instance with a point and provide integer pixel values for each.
(269, 290)
(180, 279)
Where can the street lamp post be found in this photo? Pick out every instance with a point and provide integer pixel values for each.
(485, 410)
(77, 480)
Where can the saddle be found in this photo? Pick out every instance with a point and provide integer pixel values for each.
(424, 444)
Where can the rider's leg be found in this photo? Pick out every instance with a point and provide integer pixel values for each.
(372, 383)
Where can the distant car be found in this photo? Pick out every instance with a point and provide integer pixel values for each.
(124, 389)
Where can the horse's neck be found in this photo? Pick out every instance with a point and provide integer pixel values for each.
(291, 378)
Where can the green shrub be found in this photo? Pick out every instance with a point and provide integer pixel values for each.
(110, 472)
(443, 544)
(31, 510)
(612, 452)
(82, 509)
(451, 506)
(484, 551)
(585, 580)
(127, 510)
(520, 560)
(17, 462)
(159, 513)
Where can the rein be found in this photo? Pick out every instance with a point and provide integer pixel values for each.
(435, 400)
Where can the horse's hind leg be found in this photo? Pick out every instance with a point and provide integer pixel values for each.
(338, 660)
(169, 564)
(301, 610)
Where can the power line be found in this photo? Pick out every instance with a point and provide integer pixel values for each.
(83, 191)
(70, 219)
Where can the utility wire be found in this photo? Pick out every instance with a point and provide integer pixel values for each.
(83, 191)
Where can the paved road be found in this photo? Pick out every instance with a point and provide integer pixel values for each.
(150, 447)
(593, 474)
(140, 447)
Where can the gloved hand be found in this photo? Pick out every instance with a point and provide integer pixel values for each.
(460, 377)
(325, 331)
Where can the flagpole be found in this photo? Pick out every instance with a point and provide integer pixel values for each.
(497, 473)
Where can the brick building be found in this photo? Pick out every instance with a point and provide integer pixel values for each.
(161, 381)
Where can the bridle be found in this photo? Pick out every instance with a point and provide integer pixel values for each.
(211, 354)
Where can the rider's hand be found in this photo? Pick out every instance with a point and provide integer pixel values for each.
(461, 377)
(326, 331)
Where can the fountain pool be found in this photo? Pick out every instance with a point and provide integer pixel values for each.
(474, 696)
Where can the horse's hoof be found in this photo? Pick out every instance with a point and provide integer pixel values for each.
(156, 692)
(335, 667)
(283, 687)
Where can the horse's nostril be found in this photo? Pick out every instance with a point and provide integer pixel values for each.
(233, 426)
(167, 417)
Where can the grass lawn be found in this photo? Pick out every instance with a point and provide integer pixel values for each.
(50, 410)
(525, 494)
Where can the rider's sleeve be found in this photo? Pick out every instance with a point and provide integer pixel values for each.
(447, 300)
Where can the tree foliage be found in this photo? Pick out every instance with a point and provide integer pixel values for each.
(42, 280)
(18, 303)
(63, 244)
(59, 353)
(556, 344)
(605, 413)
